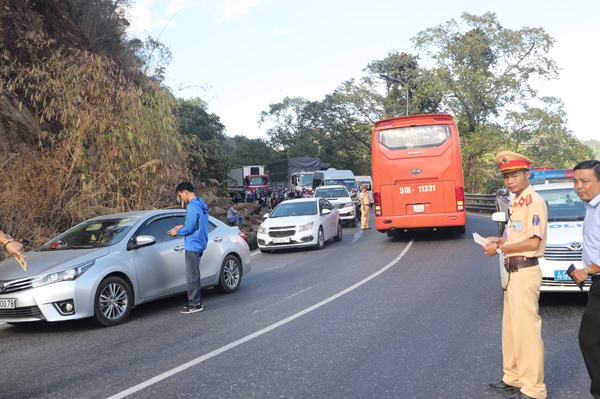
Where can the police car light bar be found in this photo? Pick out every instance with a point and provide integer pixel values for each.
(546, 174)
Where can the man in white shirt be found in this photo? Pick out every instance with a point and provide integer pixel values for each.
(587, 184)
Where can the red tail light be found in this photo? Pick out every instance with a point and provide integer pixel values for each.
(243, 236)
(460, 199)
(377, 203)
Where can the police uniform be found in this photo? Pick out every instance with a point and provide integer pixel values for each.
(522, 345)
(365, 205)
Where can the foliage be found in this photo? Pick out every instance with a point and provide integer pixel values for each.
(247, 151)
(409, 88)
(204, 135)
(105, 158)
(595, 146)
(103, 23)
(484, 67)
(194, 120)
(150, 56)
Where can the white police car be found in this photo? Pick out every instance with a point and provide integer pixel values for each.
(564, 234)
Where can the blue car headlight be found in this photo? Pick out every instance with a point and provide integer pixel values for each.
(305, 227)
(68, 274)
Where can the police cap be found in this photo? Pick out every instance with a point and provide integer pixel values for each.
(509, 161)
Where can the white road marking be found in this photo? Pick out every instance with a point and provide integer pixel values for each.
(256, 334)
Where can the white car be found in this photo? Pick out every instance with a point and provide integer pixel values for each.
(302, 222)
(564, 236)
(340, 198)
(102, 268)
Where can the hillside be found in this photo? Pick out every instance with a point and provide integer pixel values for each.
(78, 129)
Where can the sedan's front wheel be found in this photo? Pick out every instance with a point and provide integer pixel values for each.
(320, 239)
(230, 275)
(113, 302)
(338, 236)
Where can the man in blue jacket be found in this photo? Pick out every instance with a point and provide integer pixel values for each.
(195, 233)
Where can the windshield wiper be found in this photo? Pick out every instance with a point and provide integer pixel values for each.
(68, 247)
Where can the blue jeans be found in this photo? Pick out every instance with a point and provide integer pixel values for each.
(192, 275)
(237, 219)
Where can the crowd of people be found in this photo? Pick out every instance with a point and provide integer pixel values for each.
(270, 197)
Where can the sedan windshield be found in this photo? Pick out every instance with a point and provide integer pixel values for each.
(563, 204)
(331, 192)
(294, 209)
(91, 234)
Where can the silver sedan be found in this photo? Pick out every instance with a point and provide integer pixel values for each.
(107, 265)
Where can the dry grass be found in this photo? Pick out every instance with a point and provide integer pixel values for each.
(100, 144)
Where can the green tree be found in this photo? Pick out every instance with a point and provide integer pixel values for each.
(595, 146)
(292, 132)
(251, 152)
(206, 135)
(541, 133)
(195, 120)
(409, 88)
(484, 72)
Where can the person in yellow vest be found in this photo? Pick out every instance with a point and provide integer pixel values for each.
(522, 345)
(365, 206)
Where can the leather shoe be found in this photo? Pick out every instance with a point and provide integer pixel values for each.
(501, 386)
(519, 395)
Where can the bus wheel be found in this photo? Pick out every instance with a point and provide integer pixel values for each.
(460, 229)
(391, 233)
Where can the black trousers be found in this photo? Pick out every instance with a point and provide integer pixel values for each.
(589, 337)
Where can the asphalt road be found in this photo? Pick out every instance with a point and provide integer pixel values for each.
(416, 316)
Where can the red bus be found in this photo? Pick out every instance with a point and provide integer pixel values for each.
(417, 174)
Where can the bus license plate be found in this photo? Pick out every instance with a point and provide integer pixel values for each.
(281, 240)
(420, 208)
(8, 303)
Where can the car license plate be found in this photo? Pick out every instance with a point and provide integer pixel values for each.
(8, 303)
(281, 240)
(419, 208)
(562, 275)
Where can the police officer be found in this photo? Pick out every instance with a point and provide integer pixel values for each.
(365, 206)
(522, 346)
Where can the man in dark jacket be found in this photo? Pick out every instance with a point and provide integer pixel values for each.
(195, 233)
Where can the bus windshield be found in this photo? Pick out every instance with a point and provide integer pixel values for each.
(415, 137)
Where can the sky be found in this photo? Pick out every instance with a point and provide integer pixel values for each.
(242, 55)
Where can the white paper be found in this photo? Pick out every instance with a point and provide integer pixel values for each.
(479, 239)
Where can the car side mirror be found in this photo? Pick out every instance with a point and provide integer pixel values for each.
(140, 241)
(499, 217)
(325, 211)
(502, 192)
(266, 215)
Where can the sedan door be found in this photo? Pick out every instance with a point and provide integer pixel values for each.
(210, 262)
(328, 221)
(160, 267)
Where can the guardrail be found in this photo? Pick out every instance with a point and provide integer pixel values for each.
(482, 203)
